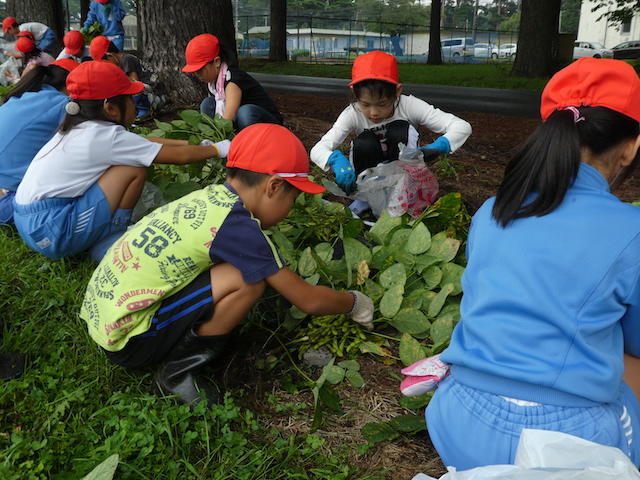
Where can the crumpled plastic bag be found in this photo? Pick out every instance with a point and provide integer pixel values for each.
(403, 186)
(546, 455)
(10, 71)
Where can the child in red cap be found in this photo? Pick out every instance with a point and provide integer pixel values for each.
(74, 47)
(44, 37)
(550, 326)
(79, 191)
(382, 118)
(237, 96)
(32, 56)
(29, 117)
(172, 288)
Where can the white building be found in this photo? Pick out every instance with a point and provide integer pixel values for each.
(593, 30)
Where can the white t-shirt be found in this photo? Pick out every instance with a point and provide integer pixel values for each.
(415, 111)
(38, 29)
(68, 165)
(78, 58)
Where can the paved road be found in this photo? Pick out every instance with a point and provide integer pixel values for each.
(468, 99)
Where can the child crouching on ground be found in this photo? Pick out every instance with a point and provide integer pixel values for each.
(174, 286)
(79, 191)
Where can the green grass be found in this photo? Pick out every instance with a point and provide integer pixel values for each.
(487, 75)
(72, 409)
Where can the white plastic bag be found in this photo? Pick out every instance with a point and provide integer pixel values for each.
(546, 455)
(10, 71)
(403, 186)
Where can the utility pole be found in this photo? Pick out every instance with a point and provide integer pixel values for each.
(475, 19)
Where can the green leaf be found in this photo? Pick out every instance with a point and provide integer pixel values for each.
(410, 350)
(419, 401)
(438, 302)
(415, 298)
(306, 264)
(383, 226)
(356, 252)
(370, 347)
(350, 365)
(353, 228)
(378, 432)
(313, 279)
(324, 251)
(419, 239)
(408, 423)
(192, 117)
(157, 133)
(399, 239)
(452, 273)
(328, 396)
(410, 320)
(394, 275)
(443, 247)
(334, 374)
(373, 289)
(167, 127)
(181, 124)
(391, 301)
(425, 261)
(355, 378)
(297, 313)
(382, 258)
(105, 470)
(432, 277)
(441, 329)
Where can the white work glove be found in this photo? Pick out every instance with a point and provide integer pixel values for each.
(223, 146)
(362, 311)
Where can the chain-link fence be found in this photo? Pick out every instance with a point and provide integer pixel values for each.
(317, 39)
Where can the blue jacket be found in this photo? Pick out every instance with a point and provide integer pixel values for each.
(112, 23)
(27, 123)
(551, 303)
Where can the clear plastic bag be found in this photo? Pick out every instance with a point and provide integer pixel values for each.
(403, 186)
(10, 71)
(547, 455)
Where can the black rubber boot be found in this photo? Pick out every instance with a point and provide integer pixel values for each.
(177, 375)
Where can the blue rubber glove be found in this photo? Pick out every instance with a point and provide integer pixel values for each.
(442, 144)
(343, 170)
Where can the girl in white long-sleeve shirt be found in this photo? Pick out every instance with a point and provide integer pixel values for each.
(382, 118)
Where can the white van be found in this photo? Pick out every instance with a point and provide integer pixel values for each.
(457, 47)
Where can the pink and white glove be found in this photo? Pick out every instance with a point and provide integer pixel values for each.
(423, 376)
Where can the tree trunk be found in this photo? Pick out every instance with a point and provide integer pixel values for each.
(84, 10)
(166, 29)
(435, 48)
(49, 12)
(278, 36)
(538, 40)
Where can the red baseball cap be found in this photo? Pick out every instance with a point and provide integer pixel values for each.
(274, 150)
(102, 1)
(593, 82)
(26, 33)
(73, 42)
(98, 47)
(97, 80)
(7, 23)
(200, 51)
(375, 65)
(25, 44)
(66, 63)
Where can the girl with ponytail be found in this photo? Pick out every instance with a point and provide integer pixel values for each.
(30, 116)
(549, 333)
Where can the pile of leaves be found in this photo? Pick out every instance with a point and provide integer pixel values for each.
(175, 181)
(95, 30)
(4, 91)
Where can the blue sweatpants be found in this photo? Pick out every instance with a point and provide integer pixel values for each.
(471, 428)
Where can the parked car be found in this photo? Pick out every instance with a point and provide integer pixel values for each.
(484, 50)
(457, 47)
(627, 50)
(590, 49)
(506, 50)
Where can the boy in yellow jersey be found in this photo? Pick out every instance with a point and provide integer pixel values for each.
(172, 288)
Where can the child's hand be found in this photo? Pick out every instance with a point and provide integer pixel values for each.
(442, 144)
(342, 169)
(222, 146)
(362, 311)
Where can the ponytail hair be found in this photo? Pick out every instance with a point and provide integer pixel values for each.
(35, 53)
(80, 111)
(38, 76)
(547, 163)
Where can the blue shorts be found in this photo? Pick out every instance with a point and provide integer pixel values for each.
(6, 208)
(61, 227)
(471, 428)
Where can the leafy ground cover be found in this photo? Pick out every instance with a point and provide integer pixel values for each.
(489, 75)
